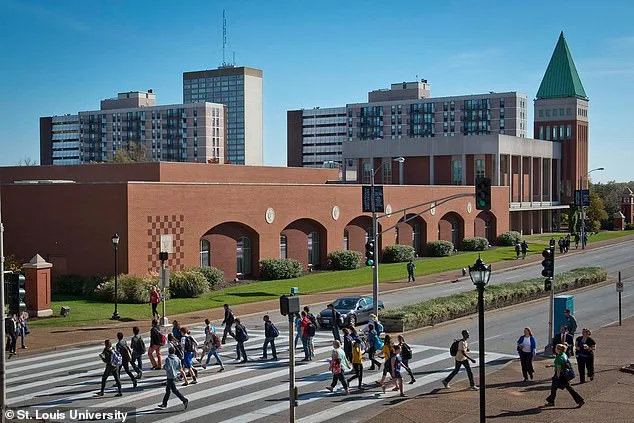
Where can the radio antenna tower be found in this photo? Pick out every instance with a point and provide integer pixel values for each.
(224, 37)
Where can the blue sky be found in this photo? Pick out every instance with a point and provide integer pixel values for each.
(64, 56)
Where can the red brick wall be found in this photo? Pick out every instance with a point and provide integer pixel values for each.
(442, 170)
(416, 171)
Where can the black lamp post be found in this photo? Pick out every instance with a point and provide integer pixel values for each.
(115, 242)
(480, 274)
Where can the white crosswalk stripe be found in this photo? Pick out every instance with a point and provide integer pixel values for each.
(243, 393)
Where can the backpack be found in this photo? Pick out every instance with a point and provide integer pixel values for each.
(241, 334)
(378, 343)
(406, 352)
(163, 339)
(124, 350)
(569, 371)
(215, 340)
(379, 327)
(178, 350)
(189, 344)
(311, 329)
(274, 331)
(138, 346)
(312, 318)
(115, 358)
(453, 349)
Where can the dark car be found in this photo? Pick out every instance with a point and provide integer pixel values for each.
(354, 309)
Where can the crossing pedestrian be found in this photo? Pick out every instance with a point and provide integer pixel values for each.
(396, 362)
(213, 347)
(560, 380)
(410, 271)
(172, 369)
(241, 336)
(176, 330)
(126, 356)
(190, 347)
(113, 360)
(209, 330)
(313, 320)
(374, 344)
(564, 337)
(338, 366)
(156, 341)
(305, 334)
(387, 351)
(347, 343)
(526, 348)
(584, 350)
(357, 363)
(138, 349)
(155, 299)
(462, 359)
(298, 329)
(336, 322)
(270, 333)
(228, 321)
(178, 351)
(406, 356)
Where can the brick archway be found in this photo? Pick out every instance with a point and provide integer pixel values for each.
(358, 230)
(233, 246)
(451, 228)
(485, 226)
(413, 233)
(306, 242)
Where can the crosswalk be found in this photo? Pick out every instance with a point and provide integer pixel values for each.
(256, 391)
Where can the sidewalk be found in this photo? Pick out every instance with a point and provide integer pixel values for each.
(43, 339)
(608, 398)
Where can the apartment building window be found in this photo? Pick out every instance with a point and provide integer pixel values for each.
(569, 131)
(479, 168)
(541, 113)
(541, 133)
(456, 171)
(367, 172)
(548, 133)
(387, 173)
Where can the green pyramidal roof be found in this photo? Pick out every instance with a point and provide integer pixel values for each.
(561, 78)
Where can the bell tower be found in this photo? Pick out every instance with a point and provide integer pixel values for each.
(561, 115)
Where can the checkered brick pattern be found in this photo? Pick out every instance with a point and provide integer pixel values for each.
(165, 225)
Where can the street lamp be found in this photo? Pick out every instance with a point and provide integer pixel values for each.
(480, 274)
(375, 229)
(115, 242)
(583, 211)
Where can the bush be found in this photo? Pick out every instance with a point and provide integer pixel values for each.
(441, 309)
(509, 238)
(629, 226)
(131, 289)
(188, 284)
(475, 244)
(439, 248)
(398, 253)
(344, 259)
(83, 286)
(213, 275)
(271, 269)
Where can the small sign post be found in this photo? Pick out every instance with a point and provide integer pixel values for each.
(167, 243)
(619, 289)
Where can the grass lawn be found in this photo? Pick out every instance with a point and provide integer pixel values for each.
(601, 236)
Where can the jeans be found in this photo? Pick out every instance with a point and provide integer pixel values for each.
(374, 361)
(297, 337)
(154, 312)
(22, 335)
(456, 369)
(126, 367)
(526, 359)
(227, 331)
(562, 383)
(171, 387)
(358, 373)
(410, 276)
(339, 377)
(136, 363)
(306, 344)
(585, 363)
(267, 341)
(335, 333)
(409, 371)
(110, 371)
(241, 351)
(214, 352)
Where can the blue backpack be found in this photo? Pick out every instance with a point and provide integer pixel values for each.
(379, 327)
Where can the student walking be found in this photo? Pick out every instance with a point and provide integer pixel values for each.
(387, 351)
(228, 321)
(560, 379)
(241, 337)
(338, 366)
(22, 328)
(155, 299)
(526, 348)
(571, 322)
(190, 346)
(209, 329)
(406, 356)
(156, 341)
(396, 362)
(113, 360)
(410, 271)
(213, 346)
(336, 317)
(270, 333)
(178, 351)
(313, 320)
(462, 359)
(126, 356)
(138, 349)
(374, 344)
(524, 247)
(584, 350)
(517, 250)
(172, 369)
(305, 334)
(357, 363)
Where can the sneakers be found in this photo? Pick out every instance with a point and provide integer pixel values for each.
(221, 369)
(118, 394)
(474, 388)
(99, 394)
(195, 381)
(446, 384)
(162, 406)
(185, 403)
(204, 366)
(134, 383)
(329, 388)
(413, 381)
(346, 392)
(549, 404)
(139, 376)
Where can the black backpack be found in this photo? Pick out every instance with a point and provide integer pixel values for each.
(311, 329)
(189, 344)
(406, 352)
(453, 349)
(178, 350)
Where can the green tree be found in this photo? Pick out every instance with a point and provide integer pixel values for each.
(132, 153)
(595, 213)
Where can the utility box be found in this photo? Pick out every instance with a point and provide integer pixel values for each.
(562, 302)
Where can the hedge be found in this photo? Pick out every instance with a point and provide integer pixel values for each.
(629, 226)
(344, 259)
(131, 289)
(475, 244)
(439, 248)
(83, 286)
(213, 275)
(273, 269)
(188, 284)
(509, 238)
(398, 254)
(451, 307)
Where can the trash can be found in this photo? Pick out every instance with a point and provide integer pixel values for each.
(562, 302)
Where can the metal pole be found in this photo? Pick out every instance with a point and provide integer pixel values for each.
(115, 315)
(164, 321)
(375, 266)
(583, 215)
(291, 369)
(481, 353)
(620, 299)
(3, 335)
(548, 350)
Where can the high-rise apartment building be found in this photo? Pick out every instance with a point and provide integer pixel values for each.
(315, 136)
(240, 90)
(180, 132)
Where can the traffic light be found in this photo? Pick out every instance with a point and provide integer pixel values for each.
(16, 292)
(548, 285)
(549, 262)
(483, 194)
(369, 253)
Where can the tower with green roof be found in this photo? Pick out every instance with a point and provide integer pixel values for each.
(561, 115)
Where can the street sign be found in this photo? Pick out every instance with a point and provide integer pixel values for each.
(619, 286)
(582, 197)
(379, 206)
(167, 243)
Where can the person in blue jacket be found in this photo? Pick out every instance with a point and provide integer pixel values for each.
(526, 348)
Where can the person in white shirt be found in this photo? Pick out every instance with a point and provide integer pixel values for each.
(526, 349)
(462, 359)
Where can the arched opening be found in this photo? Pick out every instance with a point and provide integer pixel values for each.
(235, 249)
(358, 232)
(485, 226)
(451, 228)
(243, 256)
(306, 242)
(314, 258)
(413, 233)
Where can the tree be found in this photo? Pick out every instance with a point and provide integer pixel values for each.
(596, 215)
(27, 161)
(133, 152)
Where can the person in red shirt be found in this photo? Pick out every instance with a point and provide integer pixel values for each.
(304, 322)
(155, 299)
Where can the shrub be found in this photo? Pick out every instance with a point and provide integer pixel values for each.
(629, 226)
(188, 284)
(509, 238)
(475, 244)
(131, 289)
(213, 275)
(83, 286)
(439, 248)
(398, 253)
(344, 259)
(271, 269)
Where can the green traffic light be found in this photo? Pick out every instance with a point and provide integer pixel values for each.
(369, 263)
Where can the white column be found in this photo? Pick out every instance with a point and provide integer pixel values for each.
(498, 169)
(510, 162)
(531, 183)
(541, 179)
(559, 184)
(521, 179)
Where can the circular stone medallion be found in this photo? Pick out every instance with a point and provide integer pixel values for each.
(269, 216)
(335, 212)
(388, 210)
(469, 207)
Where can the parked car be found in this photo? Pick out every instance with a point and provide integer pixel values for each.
(354, 309)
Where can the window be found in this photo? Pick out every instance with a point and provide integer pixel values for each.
(561, 132)
(479, 168)
(205, 253)
(456, 172)
(547, 112)
(548, 132)
(568, 111)
(345, 239)
(387, 173)
(561, 112)
(416, 237)
(541, 133)
(554, 112)
(243, 256)
(283, 242)
(313, 249)
(555, 132)
(569, 131)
